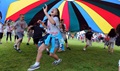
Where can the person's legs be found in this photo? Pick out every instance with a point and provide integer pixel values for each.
(40, 50)
(18, 41)
(66, 42)
(36, 65)
(52, 49)
(28, 40)
(87, 44)
(53, 54)
(10, 36)
(15, 38)
(1, 35)
(20, 35)
(112, 47)
(109, 48)
(7, 37)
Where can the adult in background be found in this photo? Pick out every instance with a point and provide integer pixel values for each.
(88, 37)
(19, 26)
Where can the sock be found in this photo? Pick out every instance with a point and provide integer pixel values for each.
(37, 63)
(17, 48)
(58, 60)
(47, 49)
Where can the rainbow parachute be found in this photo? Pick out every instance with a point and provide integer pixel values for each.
(100, 15)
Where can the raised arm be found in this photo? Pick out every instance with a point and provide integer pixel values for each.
(48, 16)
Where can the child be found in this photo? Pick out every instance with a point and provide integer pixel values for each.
(112, 35)
(88, 36)
(52, 29)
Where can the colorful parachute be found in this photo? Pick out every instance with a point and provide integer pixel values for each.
(100, 15)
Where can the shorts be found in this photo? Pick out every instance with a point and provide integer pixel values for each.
(111, 44)
(16, 37)
(89, 42)
(1, 35)
(65, 40)
(36, 40)
(20, 35)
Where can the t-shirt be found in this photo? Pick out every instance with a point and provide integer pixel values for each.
(1, 28)
(89, 35)
(37, 31)
(20, 26)
(8, 28)
(53, 28)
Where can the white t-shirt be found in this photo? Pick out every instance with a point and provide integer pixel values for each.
(53, 28)
(1, 28)
(20, 26)
(8, 28)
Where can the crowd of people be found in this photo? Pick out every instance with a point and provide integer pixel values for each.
(53, 34)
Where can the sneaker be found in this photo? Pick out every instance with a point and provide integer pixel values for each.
(33, 67)
(15, 47)
(56, 62)
(48, 52)
(19, 50)
(84, 49)
(68, 48)
(27, 44)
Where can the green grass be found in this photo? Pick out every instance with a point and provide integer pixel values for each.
(94, 59)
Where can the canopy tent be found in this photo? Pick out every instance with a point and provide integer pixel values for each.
(100, 15)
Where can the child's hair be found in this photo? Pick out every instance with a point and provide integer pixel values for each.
(62, 20)
(112, 33)
(58, 14)
(21, 14)
(118, 29)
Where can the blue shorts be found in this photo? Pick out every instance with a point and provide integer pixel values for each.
(20, 35)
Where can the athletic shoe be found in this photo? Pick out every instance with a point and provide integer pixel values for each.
(15, 47)
(56, 62)
(48, 52)
(19, 50)
(68, 48)
(84, 49)
(33, 67)
(27, 44)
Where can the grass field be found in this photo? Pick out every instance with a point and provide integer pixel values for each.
(94, 59)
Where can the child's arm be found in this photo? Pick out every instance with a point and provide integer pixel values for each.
(48, 16)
